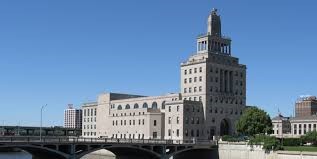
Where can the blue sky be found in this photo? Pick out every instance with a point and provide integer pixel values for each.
(59, 52)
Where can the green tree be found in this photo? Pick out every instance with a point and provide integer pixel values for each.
(254, 121)
(310, 137)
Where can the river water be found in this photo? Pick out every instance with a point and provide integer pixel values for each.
(24, 155)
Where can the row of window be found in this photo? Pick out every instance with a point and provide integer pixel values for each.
(129, 136)
(192, 121)
(221, 111)
(170, 120)
(195, 79)
(211, 70)
(200, 89)
(194, 98)
(170, 132)
(90, 112)
(299, 130)
(192, 133)
(136, 106)
(195, 70)
(131, 122)
(90, 126)
(125, 114)
(90, 119)
(227, 101)
(217, 71)
(90, 134)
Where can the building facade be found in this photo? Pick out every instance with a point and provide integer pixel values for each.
(89, 124)
(306, 106)
(212, 98)
(72, 117)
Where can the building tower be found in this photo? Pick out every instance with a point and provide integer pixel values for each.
(72, 117)
(215, 78)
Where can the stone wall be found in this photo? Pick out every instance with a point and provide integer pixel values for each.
(241, 150)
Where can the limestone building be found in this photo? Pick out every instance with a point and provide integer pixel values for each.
(89, 124)
(212, 98)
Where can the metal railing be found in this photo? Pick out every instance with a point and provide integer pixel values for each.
(46, 140)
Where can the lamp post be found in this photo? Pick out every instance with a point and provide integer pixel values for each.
(2, 133)
(42, 121)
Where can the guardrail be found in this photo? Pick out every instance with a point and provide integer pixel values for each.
(45, 140)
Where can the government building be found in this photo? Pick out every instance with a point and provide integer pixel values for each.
(305, 119)
(211, 99)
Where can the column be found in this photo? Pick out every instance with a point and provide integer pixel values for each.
(231, 81)
(226, 81)
(229, 49)
(221, 80)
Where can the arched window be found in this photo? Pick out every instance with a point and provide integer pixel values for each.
(163, 105)
(154, 105)
(127, 106)
(145, 105)
(119, 107)
(136, 106)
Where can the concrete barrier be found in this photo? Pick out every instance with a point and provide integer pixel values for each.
(241, 150)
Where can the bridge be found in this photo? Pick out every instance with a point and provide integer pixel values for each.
(75, 148)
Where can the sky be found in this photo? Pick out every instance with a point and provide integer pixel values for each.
(61, 52)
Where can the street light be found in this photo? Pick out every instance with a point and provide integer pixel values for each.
(2, 128)
(42, 121)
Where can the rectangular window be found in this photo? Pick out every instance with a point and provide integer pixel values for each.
(177, 132)
(169, 132)
(154, 135)
(154, 122)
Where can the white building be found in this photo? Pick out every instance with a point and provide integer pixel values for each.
(89, 126)
(212, 98)
(72, 117)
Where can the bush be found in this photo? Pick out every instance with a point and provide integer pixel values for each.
(310, 137)
(269, 142)
(233, 138)
(292, 142)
